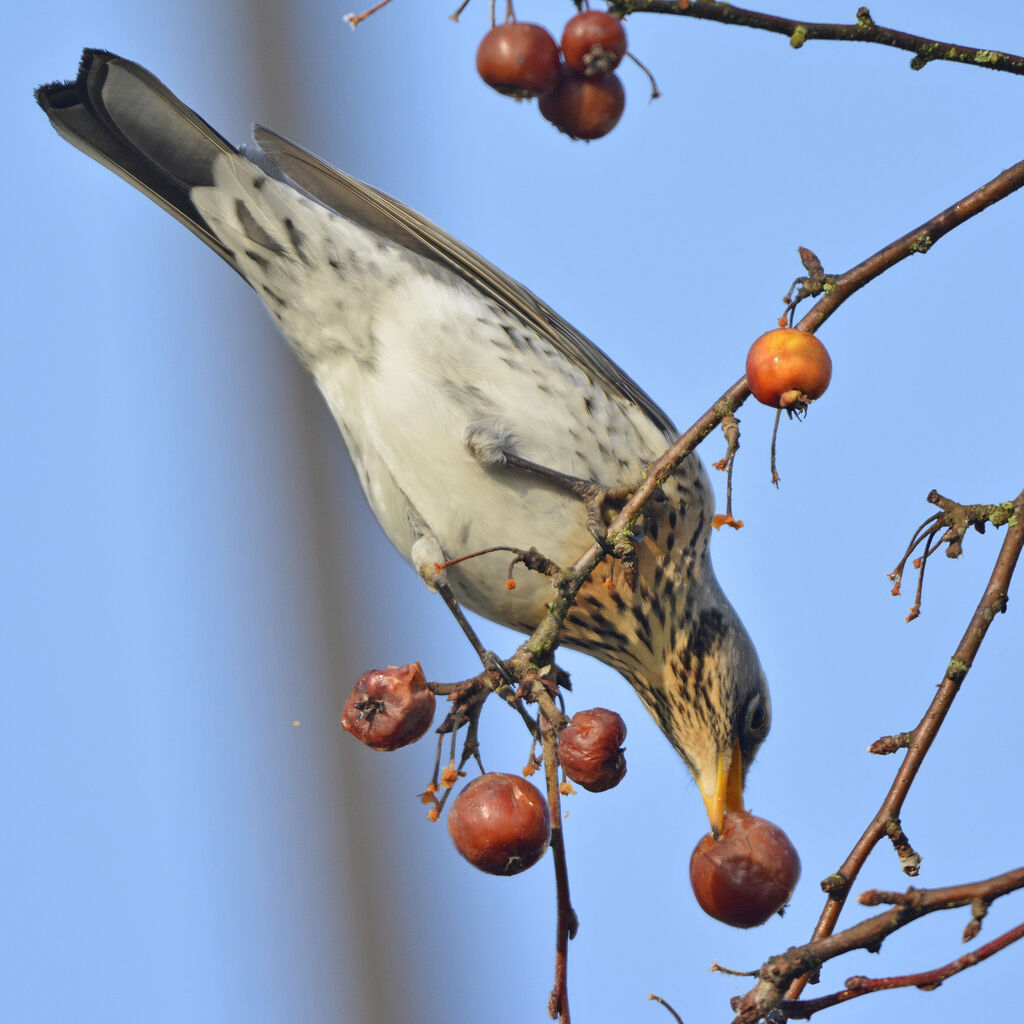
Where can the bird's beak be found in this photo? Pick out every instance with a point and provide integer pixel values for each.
(728, 792)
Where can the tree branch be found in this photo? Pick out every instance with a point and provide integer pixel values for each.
(870, 934)
(864, 30)
(540, 645)
(924, 980)
(919, 240)
(768, 992)
(565, 924)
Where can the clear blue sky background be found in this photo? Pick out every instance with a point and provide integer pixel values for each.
(187, 570)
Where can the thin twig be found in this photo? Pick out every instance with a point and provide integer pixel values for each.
(731, 430)
(668, 1006)
(354, 19)
(775, 436)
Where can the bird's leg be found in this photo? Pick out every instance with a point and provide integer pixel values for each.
(429, 560)
(594, 497)
(493, 443)
(490, 661)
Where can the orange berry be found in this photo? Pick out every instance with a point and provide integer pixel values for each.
(786, 366)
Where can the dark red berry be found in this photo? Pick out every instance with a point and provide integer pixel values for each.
(389, 707)
(500, 824)
(518, 59)
(746, 874)
(584, 108)
(593, 43)
(590, 749)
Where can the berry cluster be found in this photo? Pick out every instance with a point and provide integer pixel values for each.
(579, 92)
(500, 823)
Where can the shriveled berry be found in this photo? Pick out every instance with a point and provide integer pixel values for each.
(518, 59)
(786, 367)
(590, 749)
(584, 108)
(500, 823)
(389, 707)
(593, 43)
(746, 874)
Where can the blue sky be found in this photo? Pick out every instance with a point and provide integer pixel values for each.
(189, 569)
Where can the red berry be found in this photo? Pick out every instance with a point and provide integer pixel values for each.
(746, 874)
(593, 43)
(500, 824)
(590, 749)
(786, 367)
(584, 108)
(389, 707)
(518, 59)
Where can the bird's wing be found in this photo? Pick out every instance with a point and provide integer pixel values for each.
(391, 219)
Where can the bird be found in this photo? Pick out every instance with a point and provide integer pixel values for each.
(468, 406)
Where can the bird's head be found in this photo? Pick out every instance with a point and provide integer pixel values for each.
(711, 700)
(728, 712)
(671, 631)
(696, 671)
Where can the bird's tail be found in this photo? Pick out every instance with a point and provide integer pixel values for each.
(119, 114)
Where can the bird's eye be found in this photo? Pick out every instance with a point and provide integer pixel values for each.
(758, 715)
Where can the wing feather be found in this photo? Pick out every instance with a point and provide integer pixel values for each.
(393, 220)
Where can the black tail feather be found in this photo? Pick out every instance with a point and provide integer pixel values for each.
(125, 118)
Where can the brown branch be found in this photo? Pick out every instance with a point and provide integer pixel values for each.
(799, 32)
(924, 980)
(993, 601)
(566, 923)
(920, 240)
(869, 934)
(539, 647)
